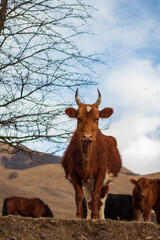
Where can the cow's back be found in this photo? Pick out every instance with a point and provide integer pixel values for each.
(12, 205)
(107, 145)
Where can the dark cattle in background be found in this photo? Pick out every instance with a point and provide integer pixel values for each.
(27, 207)
(146, 196)
(117, 207)
(91, 160)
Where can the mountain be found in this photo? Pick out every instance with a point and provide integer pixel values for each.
(25, 158)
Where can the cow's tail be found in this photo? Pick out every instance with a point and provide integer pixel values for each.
(4, 208)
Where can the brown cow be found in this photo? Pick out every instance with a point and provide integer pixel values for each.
(26, 207)
(146, 196)
(91, 160)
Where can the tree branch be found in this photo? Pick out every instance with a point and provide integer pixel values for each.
(3, 10)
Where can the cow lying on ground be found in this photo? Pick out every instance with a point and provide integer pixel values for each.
(117, 207)
(146, 196)
(26, 207)
(91, 160)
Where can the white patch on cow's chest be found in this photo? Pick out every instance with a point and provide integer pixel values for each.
(108, 178)
(89, 183)
(89, 108)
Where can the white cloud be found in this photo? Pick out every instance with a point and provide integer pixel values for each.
(143, 155)
(135, 85)
(133, 90)
(138, 145)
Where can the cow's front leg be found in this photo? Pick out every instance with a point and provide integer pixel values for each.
(137, 214)
(96, 195)
(147, 213)
(87, 193)
(79, 196)
(102, 201)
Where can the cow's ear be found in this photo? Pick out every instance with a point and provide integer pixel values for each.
(134, 182)
(71, 112)
(106, 113)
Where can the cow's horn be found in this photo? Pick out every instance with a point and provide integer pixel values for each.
(99, 98)
(77, 98)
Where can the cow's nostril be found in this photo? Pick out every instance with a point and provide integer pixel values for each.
(87, 136)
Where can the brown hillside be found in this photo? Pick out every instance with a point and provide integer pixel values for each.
(48, 183)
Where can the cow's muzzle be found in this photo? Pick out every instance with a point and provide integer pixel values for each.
(87, 138)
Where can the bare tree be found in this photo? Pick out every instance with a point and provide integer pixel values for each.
(38, 61)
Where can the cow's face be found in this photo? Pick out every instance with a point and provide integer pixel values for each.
(87, 118)
(142, 186)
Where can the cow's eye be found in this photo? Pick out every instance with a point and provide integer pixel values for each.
(80, 120)
(96, 119)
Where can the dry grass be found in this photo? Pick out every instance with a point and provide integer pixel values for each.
(18, 228)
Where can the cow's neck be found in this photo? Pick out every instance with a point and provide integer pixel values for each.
(86, 148)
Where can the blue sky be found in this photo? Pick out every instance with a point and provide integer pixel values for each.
(127, 33)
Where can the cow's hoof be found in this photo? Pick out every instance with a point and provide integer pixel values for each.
(78, 218)
(94, 217)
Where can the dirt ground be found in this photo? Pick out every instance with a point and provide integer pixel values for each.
(20, 228)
